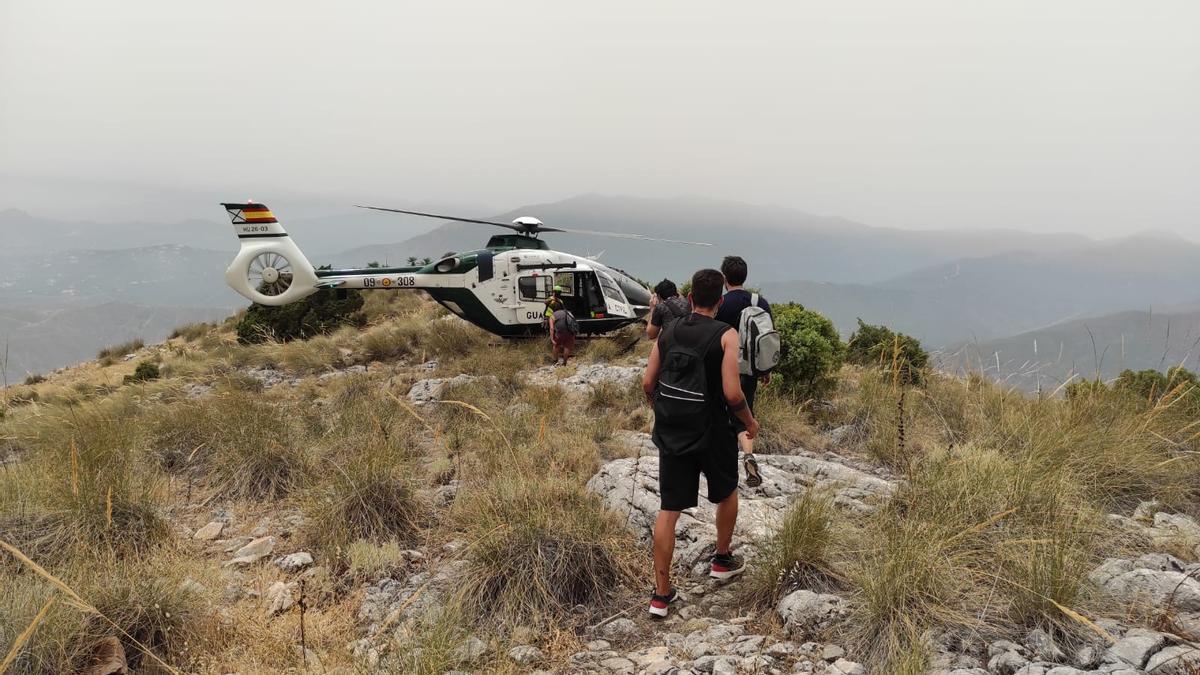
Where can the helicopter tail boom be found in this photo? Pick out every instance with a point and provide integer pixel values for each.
(269, 268)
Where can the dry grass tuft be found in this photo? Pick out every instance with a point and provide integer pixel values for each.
(110, 355)
(798, 554)
(539, 548)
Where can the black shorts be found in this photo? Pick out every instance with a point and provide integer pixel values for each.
(749, 389)
(679, 476)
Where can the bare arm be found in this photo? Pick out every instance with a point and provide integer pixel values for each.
(650, 377)
(652, 331)
(731, 383)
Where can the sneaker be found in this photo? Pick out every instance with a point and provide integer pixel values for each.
(753, 477)
(726, 566)
(659, 603)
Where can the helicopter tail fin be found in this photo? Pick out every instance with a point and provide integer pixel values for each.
(269, 269)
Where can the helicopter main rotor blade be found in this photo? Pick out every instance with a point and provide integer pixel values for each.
(510, 226)
(640, 237)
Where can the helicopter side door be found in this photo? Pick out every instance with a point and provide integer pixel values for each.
(614, 298)
(533, 289)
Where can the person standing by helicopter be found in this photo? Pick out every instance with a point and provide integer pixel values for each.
(666, 305)
(563, 329)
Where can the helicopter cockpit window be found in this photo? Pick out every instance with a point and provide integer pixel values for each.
(535, 288)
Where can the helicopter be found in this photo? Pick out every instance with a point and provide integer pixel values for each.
(502, 287)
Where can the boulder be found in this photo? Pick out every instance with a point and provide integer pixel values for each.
(630, 486)
(1136, 647)
(294, 562)
(279, 598)
(210, 531)
(429, 391)
(1175, 660)
(805, 612)
(525, 655)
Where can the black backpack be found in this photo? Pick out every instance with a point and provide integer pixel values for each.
(683, 407)
(566, 322)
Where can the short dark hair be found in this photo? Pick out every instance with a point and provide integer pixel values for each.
(706, 288)
(666, 289)
(734, 269)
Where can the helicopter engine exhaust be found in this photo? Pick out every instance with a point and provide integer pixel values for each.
(269, 269)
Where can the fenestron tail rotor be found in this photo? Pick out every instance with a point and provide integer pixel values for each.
(270, 273)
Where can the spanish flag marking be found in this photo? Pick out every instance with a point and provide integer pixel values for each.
(258, 216)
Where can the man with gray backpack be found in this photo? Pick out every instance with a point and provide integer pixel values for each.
(758, 346)
(692, 381)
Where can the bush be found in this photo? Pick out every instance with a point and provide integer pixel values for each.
(320, 312)
(812, 351)
(894, 352)
(34, 378)
(145, 371)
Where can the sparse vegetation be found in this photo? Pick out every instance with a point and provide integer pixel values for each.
(110, 355)
(34, 378)
(191, 332)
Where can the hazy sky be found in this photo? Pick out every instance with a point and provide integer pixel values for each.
(1076, 115)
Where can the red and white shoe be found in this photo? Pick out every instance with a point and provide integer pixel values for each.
(660, 604)
(725, 566)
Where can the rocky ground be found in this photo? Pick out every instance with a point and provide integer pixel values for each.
(709, 630)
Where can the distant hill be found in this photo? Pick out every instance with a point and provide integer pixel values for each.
(1085, 348)
(781, 244)
(41, 340)
(1010, 293)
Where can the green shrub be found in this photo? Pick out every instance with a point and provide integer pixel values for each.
(34, 378)
(812, 351)
(880, 346)
(145, 371)
(320, 312)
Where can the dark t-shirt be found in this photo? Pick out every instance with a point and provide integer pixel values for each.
(733, 303)
(674, 307)
(690, 331)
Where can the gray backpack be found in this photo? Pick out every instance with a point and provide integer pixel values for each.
(759, 342)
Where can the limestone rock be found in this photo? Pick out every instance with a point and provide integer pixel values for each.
(1175, 660)
(525, 655)
(279, 598)
(294, 562)
(1136, 647)
(630, 486)
(806, 612)
(619, 629)
(257, 549)
(472, 649)
(428, 391)
(844, 667)
(210, 531)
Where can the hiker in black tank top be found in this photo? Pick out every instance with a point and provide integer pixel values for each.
(692, 430)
